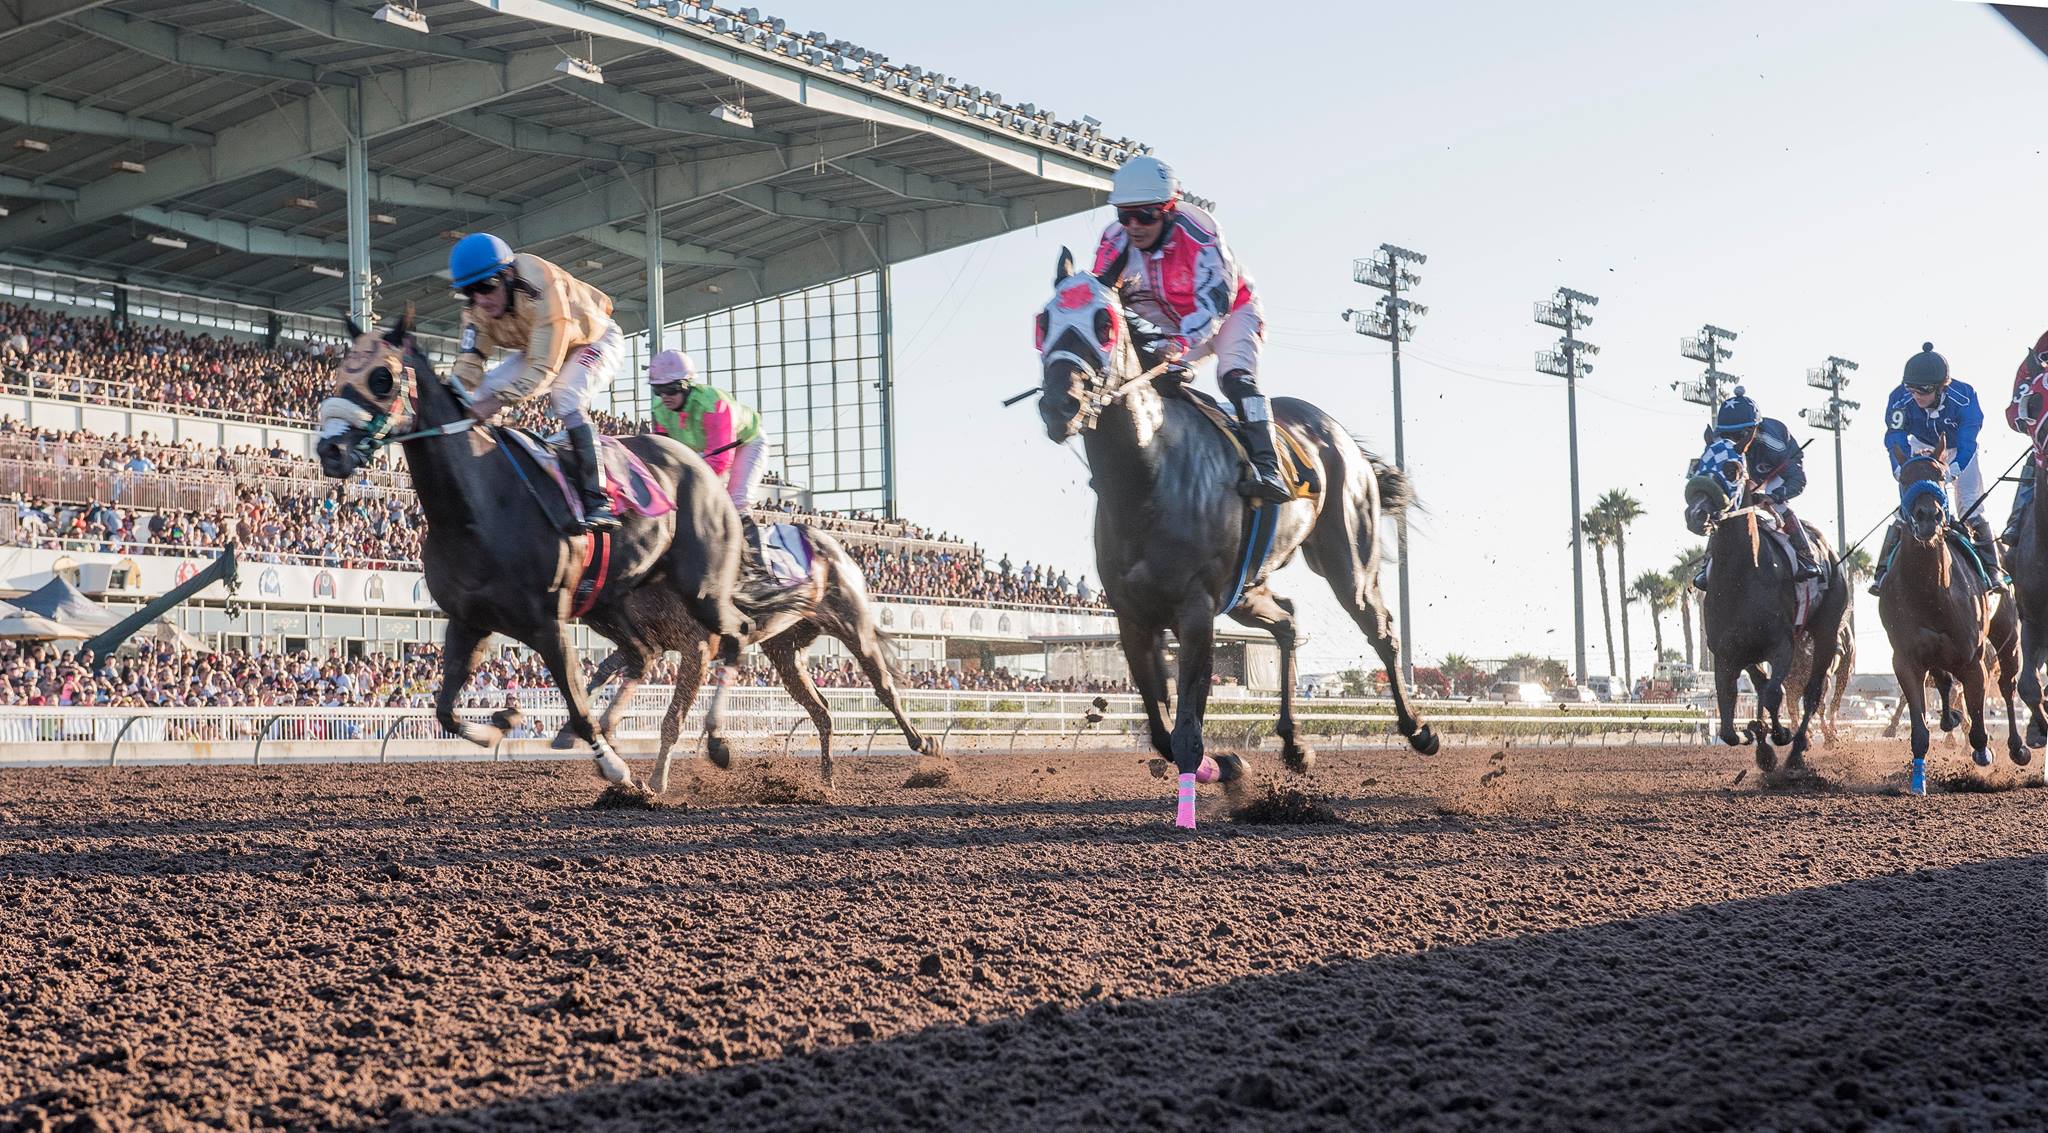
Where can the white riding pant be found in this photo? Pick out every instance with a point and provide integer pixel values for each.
(1239, 340)
(1965, 484)
(749, 464)
(587, 372)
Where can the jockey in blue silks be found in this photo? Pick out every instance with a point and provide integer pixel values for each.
(1932, 415)
(1745, 441)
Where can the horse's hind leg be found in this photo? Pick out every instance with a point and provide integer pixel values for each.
(2005, 645)
(2033, 651)
(1951, 716)
(606, 669)
(1344, 549)
(689, 674)
(870, 652)
(460, 650)
(552, 644)
(1972, 680)
(1262, 609)
(1725, 677)
(782, 653)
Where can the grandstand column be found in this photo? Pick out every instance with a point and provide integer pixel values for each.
(360, 298)
(886, 358)
(654, 283)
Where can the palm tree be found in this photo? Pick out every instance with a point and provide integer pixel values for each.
(1621, 509)
(1683, 571)
(1659, 592)
(1596, 530)
(1458, 670)
(1857, 566)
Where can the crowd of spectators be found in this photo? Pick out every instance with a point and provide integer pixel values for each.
(927, 575)
(93, 360)
(325, 528)
(165, 676)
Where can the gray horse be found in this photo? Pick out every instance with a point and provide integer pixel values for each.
(1170, 527)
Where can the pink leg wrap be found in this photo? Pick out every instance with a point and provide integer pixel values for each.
(1208, 772)
(1184, 817)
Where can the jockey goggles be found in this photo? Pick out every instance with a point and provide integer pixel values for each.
(1142, 214)
(483, 287)
(671, 389)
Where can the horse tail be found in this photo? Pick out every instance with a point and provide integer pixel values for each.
(1397, 492)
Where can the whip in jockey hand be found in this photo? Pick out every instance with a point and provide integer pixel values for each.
(727, 434)
(2023, 415)
(557, 336)
(1742, 439)
(1931, 415)
(1168, 261)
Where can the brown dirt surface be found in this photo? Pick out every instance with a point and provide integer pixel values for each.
(1590, 938)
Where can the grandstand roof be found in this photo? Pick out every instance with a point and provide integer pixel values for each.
(223, 124)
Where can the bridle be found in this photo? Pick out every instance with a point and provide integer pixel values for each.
(377, 433)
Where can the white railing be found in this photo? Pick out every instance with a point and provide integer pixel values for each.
(768, 721)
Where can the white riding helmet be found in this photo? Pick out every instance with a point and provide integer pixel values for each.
(1143, 181)
(671, 366)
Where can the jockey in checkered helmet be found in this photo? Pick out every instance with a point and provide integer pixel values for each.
(1744, 445)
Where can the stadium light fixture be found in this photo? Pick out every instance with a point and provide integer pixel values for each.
(128, 167)
(734, 115)
(3, 210)
(163, 241)
(398, 15)
(306, 203)
(382, 218)
(452, 234)
(577, 68)
(32, 145)
(323, 269)
(590, 265)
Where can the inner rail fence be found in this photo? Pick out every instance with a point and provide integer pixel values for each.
(762, 721)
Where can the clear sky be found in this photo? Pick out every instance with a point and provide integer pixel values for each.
(1823, 178)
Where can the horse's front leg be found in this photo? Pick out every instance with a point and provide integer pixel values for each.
(552, 644)
(1195, 627)
(1145, 653)
(1913, 694)
(1725, 677)
(2033, 650)
(460, 651)
(1973, 700)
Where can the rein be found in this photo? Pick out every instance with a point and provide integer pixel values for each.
(380, 435)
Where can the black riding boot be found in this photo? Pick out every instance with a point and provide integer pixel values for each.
(1884, 558)
(1987, 550)
(597, 503)
(1808, 565)
(1261, 441)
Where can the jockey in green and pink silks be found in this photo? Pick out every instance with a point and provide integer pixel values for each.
(727, 434)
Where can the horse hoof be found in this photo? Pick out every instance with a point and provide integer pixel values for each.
(1424, 740)
(1208, 772)
(1298, 759)
(1766, 759)
(1950, 720)
(612, 768)
(482, 735)
(563, 741)
(718, 752)
(1229, 768)
(1981, 757)
(2037, 735)
(1781, 735)
(931, 747)
(2021, 756)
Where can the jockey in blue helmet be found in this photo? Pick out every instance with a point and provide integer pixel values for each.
(1932, 415)
(557, 335)
(1746, 445)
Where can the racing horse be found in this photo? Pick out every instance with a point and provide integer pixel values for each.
(494, 561)
(1844, 670)
(1170, 527)
(1942, 618)
(2029, 566)
(834, 601)
(1751, 615)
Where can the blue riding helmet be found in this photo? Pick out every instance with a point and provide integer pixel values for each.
(1737, 415)
(1926, 370)
(477, 257)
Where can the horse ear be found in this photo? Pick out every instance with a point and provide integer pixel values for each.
(401, 327)
(355, 329)
(1064, 267)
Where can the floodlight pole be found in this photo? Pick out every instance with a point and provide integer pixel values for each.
(1389, 272)
(1709, 346)
(1834, 417)
(1564, 311)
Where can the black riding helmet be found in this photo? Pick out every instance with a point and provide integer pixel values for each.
(1926, 371)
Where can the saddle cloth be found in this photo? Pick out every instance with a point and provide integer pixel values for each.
(785, 550)
(1297, 469)
(1806, 592)
(633, 487)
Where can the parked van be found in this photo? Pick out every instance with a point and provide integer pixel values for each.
(1519, 692)
(1602, 686)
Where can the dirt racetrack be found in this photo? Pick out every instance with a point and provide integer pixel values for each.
(1620, 937)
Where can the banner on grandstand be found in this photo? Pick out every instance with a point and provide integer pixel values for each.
(146, 576)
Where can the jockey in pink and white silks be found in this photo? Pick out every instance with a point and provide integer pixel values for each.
(1189, 301)
(728, 435)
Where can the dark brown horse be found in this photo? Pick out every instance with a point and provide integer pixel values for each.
(833, 601)
(493, 560)
(1751, 609)
(2029, 567)
(1942, 619)
(1170, 526)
